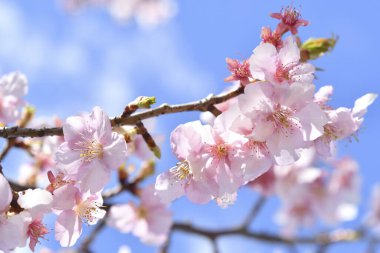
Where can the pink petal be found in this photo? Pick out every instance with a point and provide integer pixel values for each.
(68, 228)
(101, 124)
(64, 198)
(96, 177)
(5, 193)
(115, 153)
(168, 187)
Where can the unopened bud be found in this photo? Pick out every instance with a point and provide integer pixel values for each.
(27, 116)
(314, 48)
(156, 151)
(144, 102)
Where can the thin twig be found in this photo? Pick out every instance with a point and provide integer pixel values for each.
(323, 238)
(254, 211)
(372, 245)
(10, 143)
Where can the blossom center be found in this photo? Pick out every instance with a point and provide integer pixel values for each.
(219, 150)
(290, 16)
(258, 147)
(282, 73)
(142, 212)
(88, 211)
(36, 230)
(242, 71)
(90, 150)
(330, 132)
(181, 170)
(280, 117)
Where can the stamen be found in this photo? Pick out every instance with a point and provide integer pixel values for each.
(88, 211)
(142, 212)
(181, 171)
(330, 132)
(282, 73)
(258, 147)
(90, 150)
(282, 119)
(219, 150)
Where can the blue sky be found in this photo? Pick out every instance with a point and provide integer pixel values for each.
(74, 62)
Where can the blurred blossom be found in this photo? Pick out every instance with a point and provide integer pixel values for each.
(146, 13)
(13, 88)
(150, 221)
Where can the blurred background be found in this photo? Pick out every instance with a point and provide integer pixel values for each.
(77, 59)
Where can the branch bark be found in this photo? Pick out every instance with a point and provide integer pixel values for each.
(203, 105)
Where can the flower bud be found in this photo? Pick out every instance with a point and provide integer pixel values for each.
(314, 48)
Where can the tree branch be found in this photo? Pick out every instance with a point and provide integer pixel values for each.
(337, 236)
(203, 105)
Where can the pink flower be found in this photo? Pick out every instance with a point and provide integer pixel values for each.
(5, 193)
(285, 118)
(253, 154)
(150, 221)
(91, 150)
(75, 208)
(264, 184)
(239, 71)
(185, 140)
(342, 198)
(36, 203)
(267, 63)
(322, 96)
(9, 228)
(290, 20)
(13, 87)
(308, 193)
(274, 38)
(301, 190)
(343, 123)
(218, 160)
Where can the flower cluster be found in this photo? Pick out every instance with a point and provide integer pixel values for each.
(277, 118)
(150, 221)
(308, 192)
(83, 164)
(272, 137)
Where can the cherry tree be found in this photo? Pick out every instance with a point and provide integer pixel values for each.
(271, 131)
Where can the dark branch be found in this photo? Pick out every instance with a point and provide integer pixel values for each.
(203, 105)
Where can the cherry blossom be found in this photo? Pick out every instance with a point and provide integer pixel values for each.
(75, 208)
(150, 221)
(274, 38)
(290, 20)
(36, 203)
(286, 118)
(239, 71)
(9, 227)
(13, 88)
(147, 13)
(91, 150)
(186, 140)
(267, 63)
(342, 123)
